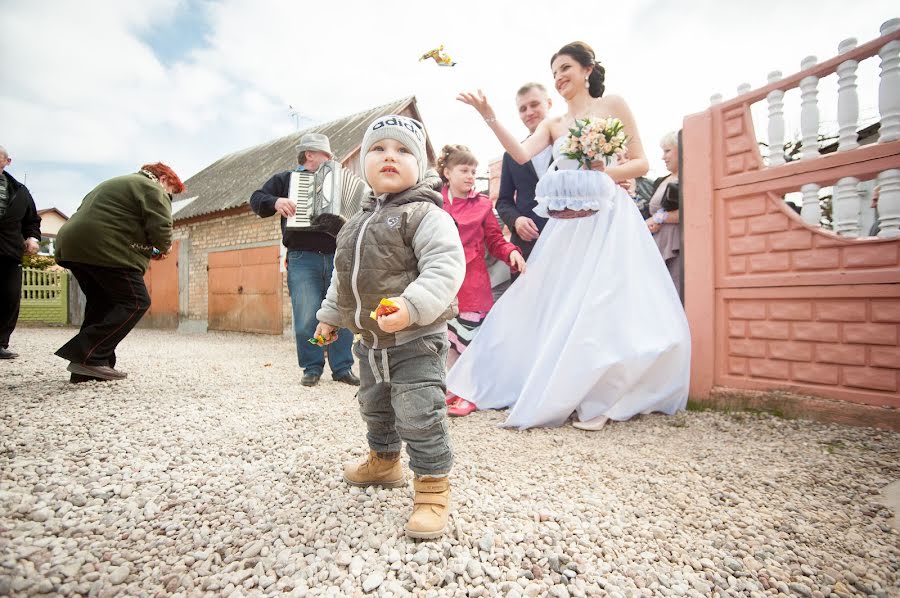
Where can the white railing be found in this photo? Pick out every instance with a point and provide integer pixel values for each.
(851, 198)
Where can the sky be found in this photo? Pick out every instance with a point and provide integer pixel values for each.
(96, 88)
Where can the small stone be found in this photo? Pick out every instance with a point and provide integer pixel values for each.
(473, 568)
(559, 591)
(487, 541)
(374, 579)
(733, 564)
(800, 588)
(119, 574)
(421, 557)
(356, 566)
(252, 550)
(343, 558)
(45, 586)
(41, 515)
(532, 590)
(553, 561)
(265, 582)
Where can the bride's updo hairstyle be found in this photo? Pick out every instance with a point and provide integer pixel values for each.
(583, 54)
(454, 155)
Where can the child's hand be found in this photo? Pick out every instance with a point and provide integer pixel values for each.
(398, 320)
(517, 261)
(326, 331)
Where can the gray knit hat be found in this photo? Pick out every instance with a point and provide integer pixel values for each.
(407, 131)
(314, 142)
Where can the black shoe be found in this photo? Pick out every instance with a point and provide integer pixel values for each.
(348, 378)
(7, 354)
(79, 378)
(104, 372)
(309, 379)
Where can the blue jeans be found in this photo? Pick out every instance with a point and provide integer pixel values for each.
(309, 274)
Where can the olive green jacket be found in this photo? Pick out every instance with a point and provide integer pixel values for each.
(118, 224)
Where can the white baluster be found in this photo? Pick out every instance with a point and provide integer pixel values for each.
(809, 112)
(715, 98)
(867, 216)
(776, 124)
(845, 207)
(889, 88)
(889, 203)
(848, 101)
(810, 211)
(743, 88)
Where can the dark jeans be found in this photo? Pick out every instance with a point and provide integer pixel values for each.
(10, 297)
(117, 299)
(401, 397)
(309, 274)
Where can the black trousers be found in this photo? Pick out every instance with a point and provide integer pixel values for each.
(117, 299)
(10, 297)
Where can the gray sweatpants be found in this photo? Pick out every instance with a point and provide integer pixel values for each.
(401, 397)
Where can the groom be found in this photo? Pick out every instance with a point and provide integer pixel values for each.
(516, 202)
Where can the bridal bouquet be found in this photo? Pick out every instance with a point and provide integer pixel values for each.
(592, 140)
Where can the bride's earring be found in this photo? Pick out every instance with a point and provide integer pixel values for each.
(586, 84)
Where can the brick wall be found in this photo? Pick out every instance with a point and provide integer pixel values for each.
(798, 307)
(841, 344)
(762, 238)
(233, 230)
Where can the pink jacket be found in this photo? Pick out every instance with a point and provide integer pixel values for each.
(478, 228)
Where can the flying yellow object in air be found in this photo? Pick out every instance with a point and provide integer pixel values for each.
(439, 57)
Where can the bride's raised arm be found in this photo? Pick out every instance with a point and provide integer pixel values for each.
(520, 152)
(637, 164)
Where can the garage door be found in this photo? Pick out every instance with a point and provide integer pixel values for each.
(162, 284)
(245, 290)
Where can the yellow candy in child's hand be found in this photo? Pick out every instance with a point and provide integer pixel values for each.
(318, 340)
(385, 307)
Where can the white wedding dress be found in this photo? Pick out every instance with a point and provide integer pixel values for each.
(594, 326)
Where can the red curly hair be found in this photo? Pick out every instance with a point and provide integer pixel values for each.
(161, 170)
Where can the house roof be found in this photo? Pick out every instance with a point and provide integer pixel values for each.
(228, 182)
(48, 210)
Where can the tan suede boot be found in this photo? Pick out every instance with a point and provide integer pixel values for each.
(431, 508)
(379, 469)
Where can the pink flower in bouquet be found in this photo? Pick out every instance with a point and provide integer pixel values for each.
(590, 140)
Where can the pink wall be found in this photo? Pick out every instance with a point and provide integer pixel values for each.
(772, 302)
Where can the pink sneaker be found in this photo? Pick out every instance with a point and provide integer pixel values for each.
(461, 408)
(450, 399)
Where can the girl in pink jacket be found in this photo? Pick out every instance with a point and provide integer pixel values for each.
(479, 230)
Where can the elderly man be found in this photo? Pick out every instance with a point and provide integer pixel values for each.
(20, 232)
(310, 262)
(516, 202)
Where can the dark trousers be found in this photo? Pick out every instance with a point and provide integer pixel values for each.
(117, 299)
(401, 397)
(10, 297)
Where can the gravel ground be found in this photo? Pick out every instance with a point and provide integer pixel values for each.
(211, 471)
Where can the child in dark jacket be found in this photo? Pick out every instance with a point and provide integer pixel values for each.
(403, 247)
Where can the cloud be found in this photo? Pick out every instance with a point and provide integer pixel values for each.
(85, 90)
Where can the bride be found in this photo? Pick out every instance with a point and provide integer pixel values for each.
(595, 327)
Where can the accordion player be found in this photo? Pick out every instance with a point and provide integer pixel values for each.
(324, 199)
